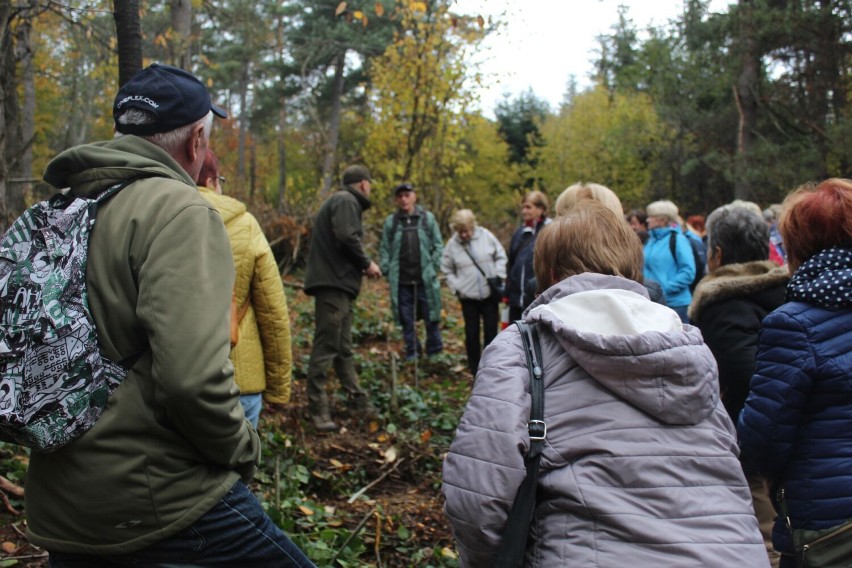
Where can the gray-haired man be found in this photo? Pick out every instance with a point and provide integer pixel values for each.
(161, 478)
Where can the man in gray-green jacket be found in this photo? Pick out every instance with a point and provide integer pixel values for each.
(161, 477)
(336, 264)
(411, 252)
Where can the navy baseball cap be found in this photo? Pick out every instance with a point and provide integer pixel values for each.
(176, 98)
(402, 187)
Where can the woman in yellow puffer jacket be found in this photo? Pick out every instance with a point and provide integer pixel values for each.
(262, 356)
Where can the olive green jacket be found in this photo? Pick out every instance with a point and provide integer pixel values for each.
(337, 258)
(173, 438)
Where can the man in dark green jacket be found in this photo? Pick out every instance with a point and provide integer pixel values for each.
(336, 264)
(172, 453)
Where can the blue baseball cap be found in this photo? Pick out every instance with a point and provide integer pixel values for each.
(176, 98)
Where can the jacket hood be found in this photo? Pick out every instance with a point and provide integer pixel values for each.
(638, 350)
(229, 208)
(363, 200)
(92, 167)
(738, 280)
(661, 232)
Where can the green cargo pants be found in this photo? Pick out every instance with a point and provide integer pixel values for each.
(332, 344)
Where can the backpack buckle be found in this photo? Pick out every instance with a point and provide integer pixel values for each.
(537, 430)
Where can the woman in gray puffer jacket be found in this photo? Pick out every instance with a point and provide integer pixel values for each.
(640, 461)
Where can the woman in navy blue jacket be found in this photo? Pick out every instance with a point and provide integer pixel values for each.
(796, 427)
(519, 270)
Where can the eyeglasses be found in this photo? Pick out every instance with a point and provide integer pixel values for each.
(221, 179)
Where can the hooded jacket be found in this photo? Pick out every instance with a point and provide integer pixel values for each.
(728, 307)
(173, 438)
(262, 357)
(463, 277)
(430, 248)
(796, 426)
(640, 460)
(674, 273)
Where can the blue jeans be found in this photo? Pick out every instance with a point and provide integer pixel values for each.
(408, 318)
(235, 532)
(252, 404)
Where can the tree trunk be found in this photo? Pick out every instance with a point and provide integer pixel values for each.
(79, 120)
(241, 139)
(25, 56)
(128, 32)
(334, 125)
(182, 26)
(5, 46)
(745, 94)
(11, 130)
(828, 94)
(282, 153)
(281, 134)
(252, 170)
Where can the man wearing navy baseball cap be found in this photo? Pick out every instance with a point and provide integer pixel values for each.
(171, 96)
(161, 477)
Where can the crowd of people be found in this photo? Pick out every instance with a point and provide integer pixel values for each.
(714, 431)
(697, 374)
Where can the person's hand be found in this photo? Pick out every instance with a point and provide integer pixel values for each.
(373, 271)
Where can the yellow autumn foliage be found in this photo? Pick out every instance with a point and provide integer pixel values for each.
(419, 100)
(613, 140)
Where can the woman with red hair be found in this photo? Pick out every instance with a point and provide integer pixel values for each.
(796, 426)
(260, 349)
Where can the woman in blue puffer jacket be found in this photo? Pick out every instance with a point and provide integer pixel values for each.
(796, 427)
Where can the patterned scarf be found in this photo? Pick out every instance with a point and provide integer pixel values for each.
(825, 279)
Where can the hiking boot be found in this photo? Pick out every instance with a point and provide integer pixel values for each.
(324, 423)
(359, 404)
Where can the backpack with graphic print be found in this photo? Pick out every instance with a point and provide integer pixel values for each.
(54, 382)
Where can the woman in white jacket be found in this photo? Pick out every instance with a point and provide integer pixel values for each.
(472, 256)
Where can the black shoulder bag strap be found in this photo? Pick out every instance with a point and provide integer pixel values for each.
(467, 250)
(514, 545)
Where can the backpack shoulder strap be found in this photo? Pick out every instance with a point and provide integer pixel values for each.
(424, 222)
(673, 245)
(427, 226)
(394, 225)
(514, 544)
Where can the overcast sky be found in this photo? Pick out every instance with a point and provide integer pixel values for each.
(545, 41)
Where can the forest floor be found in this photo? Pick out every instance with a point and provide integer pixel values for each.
(368, 495)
